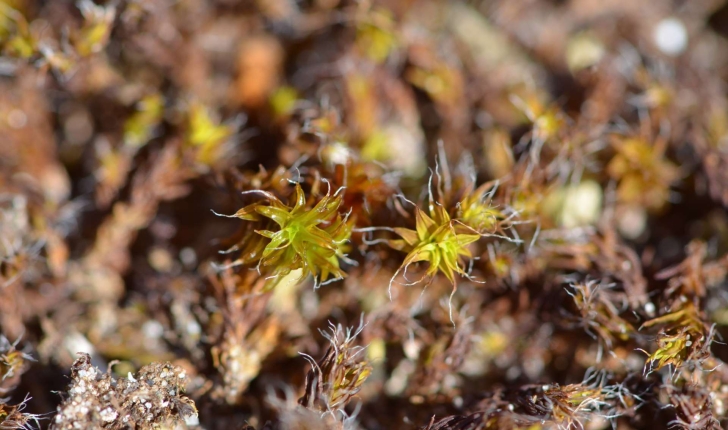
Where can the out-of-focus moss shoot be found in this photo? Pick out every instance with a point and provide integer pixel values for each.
(94, 34)
(141, 126)
(206, 135)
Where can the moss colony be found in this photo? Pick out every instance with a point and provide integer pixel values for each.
(363, 214)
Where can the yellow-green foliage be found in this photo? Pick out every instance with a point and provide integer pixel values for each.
(310, 239)
(437, 240)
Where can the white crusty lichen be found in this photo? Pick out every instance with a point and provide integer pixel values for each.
(151, 399)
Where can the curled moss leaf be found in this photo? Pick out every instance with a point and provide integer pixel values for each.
(335, 379)
(683, 338)
(598, 315)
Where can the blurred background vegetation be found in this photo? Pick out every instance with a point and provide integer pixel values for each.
(439, 214)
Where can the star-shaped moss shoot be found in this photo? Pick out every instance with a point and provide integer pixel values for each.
(438, 240)
(310, 239)
(478, 211)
